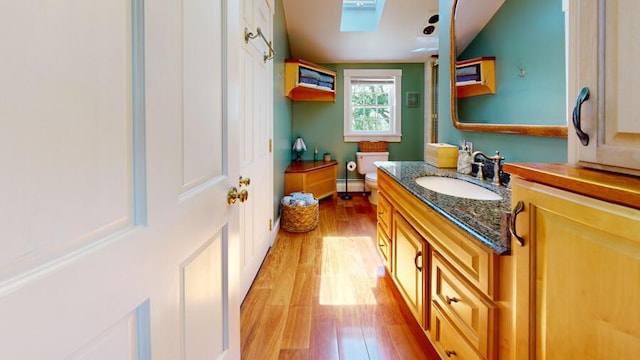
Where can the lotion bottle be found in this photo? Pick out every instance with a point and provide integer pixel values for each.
(464, 161)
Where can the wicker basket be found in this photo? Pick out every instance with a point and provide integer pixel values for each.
(299, 218)
(373, 146)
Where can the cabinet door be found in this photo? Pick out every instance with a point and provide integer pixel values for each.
(385, 211)
(384, 248)
(576, 277)
(603, 51)
(409, 265)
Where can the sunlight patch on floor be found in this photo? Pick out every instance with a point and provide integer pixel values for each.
(346, 279)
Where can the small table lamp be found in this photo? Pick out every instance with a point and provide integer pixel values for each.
(299, 147)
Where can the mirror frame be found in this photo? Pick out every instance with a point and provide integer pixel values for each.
(531, 130)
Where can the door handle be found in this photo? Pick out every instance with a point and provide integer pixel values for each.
(582, 97)
(415, 261)
(514, 214)
(234, 195)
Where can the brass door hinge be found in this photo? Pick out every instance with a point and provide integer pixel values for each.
(270, 224)
(270, 145)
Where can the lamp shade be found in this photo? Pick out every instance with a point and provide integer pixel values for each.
(299, 145)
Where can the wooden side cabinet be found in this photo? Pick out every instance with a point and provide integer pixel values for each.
(577, 269)
(316, 177)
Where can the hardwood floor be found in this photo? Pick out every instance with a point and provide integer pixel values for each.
(325, 295)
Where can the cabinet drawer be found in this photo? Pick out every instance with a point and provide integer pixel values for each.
(322, 189)
(448, 341)
(385, 213)
(468, 309)
(384, 248)
(474, 262)
(320, 175)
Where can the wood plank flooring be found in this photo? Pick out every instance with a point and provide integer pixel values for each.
(325, 295)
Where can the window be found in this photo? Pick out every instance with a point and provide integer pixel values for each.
(372, 105)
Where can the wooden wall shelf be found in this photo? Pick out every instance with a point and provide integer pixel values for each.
(305, 81)
(476, 76)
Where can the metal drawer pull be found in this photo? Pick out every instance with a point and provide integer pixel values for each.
(450, 300)
(449, 352)
(582, 97)
(514, 214)
(415, 261)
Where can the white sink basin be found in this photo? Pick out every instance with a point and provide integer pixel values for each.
(456, 187)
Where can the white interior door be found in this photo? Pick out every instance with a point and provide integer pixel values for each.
(117, 152)
(256, 155)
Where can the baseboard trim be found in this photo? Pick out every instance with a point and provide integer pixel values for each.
(355, 185)
(276, 229)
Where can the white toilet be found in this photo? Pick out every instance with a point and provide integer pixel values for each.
(366, 166)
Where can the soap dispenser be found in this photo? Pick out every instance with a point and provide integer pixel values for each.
(464, 161)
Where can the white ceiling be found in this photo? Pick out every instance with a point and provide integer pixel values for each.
(314, 30)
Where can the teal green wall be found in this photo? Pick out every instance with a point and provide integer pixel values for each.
(515, 148)
(282, 108)
(321, 123)
(528, 35)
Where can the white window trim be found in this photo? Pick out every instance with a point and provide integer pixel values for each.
(395, 135)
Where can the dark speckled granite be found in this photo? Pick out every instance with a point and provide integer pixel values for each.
(482, 219)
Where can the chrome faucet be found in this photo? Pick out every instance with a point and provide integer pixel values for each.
(497, 166)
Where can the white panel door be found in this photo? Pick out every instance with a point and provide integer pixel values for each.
(119, 120)
(256, 156)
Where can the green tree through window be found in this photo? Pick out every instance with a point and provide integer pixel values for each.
(371, 109)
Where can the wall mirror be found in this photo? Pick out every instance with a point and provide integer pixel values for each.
(530, 80)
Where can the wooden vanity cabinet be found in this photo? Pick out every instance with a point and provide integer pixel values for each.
(576, 276)
(602, 57)
(448, 279)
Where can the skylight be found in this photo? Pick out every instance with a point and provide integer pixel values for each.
(361, 15)
(359, 3)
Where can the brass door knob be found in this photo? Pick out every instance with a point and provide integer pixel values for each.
(233, 195)
(243, 195)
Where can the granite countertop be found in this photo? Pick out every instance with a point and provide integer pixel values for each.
(482, 219)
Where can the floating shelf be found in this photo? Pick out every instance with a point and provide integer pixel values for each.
(305, 81)
(476, 76)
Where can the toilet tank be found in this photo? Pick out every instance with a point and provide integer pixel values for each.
(364, 161)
